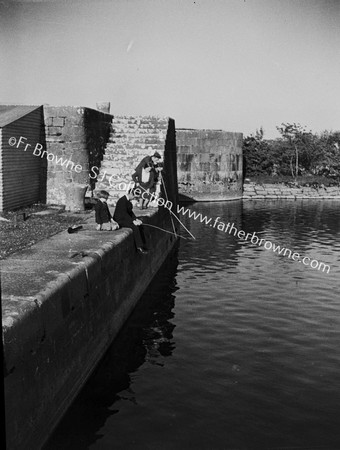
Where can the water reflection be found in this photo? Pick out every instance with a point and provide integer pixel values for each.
(210, 238)
(309, 227)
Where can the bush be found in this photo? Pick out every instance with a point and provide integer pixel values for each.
(297, 153)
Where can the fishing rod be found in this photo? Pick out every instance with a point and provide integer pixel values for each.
(171, 213)
(167, 199)
(178, 218)
(162, 229)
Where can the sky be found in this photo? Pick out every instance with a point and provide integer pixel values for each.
(235, 65)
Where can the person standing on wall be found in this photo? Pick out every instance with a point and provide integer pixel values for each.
(149, 160)
(155, 191)
(125, 217)
(144, 177)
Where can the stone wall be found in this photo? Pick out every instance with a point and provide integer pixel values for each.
(76, 138)
(209, 164)
(132, 138)
(60, 315)
(274, 191)
(65, 298)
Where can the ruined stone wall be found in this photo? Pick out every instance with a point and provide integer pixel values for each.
(76, 138)
(132, 138)
(209, 164)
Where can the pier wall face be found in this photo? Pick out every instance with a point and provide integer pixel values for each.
(56, 332)
(209, 164)
(65, 298)
(76, 138)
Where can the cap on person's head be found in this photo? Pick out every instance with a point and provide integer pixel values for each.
(157, 155)
(103, 194)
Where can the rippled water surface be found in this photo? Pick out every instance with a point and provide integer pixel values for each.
(232, 346)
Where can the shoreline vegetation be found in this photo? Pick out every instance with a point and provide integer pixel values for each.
(298, 154)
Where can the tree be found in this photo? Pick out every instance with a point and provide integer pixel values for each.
(295, 135)
(328, 161)
(298, 151)
(257, 153)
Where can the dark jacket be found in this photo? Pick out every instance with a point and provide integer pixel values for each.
(123, 214)
(103, 214)
(147, 160)
(137, 178)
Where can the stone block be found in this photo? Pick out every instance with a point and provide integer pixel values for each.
(55, 147)
(54, 131)
(56, 139)
(58, 121)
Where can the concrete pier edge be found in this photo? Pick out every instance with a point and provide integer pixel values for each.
(64, 301)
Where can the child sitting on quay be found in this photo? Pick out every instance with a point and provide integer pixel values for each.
(126, 218)
(104, 219)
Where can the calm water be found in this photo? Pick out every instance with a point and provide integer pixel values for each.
(231, 347)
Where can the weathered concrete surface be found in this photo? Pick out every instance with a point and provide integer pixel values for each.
(64, 300)
(75, 141)
(209, 165)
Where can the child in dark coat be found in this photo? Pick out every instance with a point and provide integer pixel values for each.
(126, 218)
(104, 218)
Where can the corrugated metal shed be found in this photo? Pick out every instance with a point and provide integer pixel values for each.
(11, 113)
(22, 174)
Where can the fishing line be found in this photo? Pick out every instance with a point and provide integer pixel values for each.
(166, 194)
(162, 229)
(182, 224)
(171, 213)
(179, 220)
